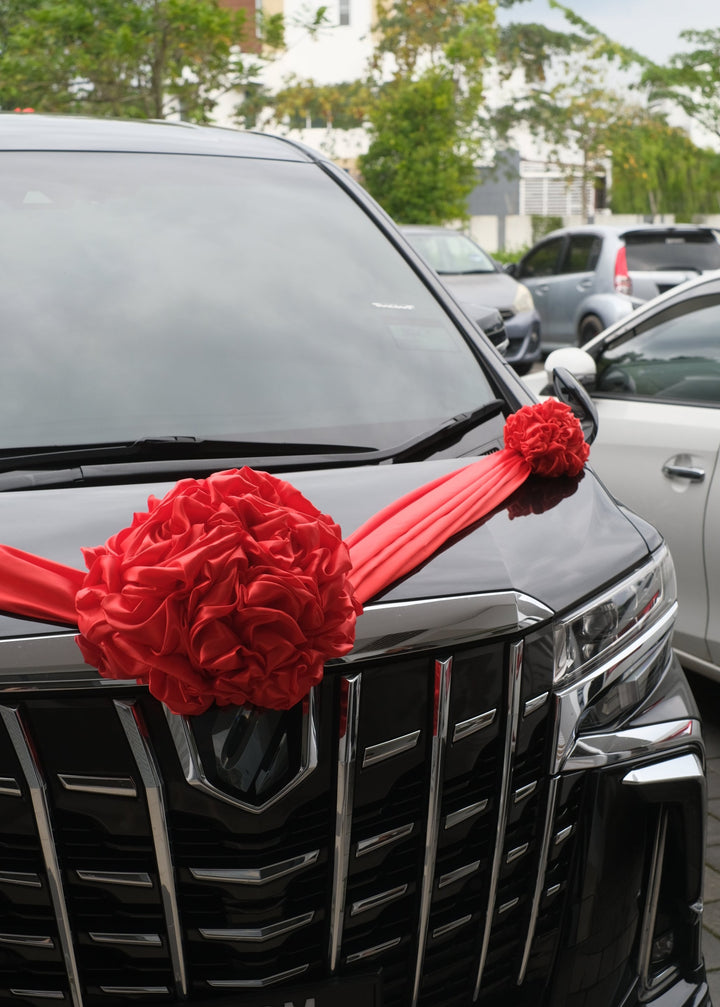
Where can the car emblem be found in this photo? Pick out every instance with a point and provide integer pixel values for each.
(246, 756)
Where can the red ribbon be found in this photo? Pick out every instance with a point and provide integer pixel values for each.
(235, 589)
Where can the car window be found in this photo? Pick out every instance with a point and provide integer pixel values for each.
(541, 261)
(205, 296)
(451, 252)
(675, 358)
(582, 253)
(683, 250)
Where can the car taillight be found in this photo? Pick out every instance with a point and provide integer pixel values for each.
(623, 283)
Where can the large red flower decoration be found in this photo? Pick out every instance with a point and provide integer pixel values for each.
(230, 589)
(549, 438)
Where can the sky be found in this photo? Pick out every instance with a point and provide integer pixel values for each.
(651, 27)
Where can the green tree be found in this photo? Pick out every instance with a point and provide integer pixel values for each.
(426, 84)
(133, 58)
(691, 79)
(658, 169)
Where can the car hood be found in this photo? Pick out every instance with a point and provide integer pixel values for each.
(498, 290)
(556, 540)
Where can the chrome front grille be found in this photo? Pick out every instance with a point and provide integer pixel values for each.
(427, 842)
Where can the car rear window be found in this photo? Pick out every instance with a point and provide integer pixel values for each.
(676, 250)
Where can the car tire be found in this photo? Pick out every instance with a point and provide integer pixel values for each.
(589, 327)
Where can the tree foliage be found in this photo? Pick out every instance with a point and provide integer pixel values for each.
(132, 58)
(426, 84)
(691, 80)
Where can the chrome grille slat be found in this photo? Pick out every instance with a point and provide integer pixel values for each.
(258, 934)
(473, 724)
(389, 749)
(366, 846)
(39, 994)
(465, 814)
(253, 984)
(540, 883)
(256, 875)
(130, 879)
(347, 754)
(98, 785)
(19, 737)
(152, 784)
(142, 940)
(27, 941)
(9, 787)
(441, 692)
(375, 901)
(510, 741)
(26, 879)
(373, 952)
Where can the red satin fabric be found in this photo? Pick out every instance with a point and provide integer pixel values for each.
(235, 589)
(38, 588)
(403, 535)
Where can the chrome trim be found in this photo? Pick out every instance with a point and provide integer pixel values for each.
(540, 876)
(552, 890)
(572, 701)
(27, 941)
(254, 984)
(467, 727)
(407, 626)
(511, 733)
(256, 875)
(374, 901)
(534, 704)
(112, 786)
(9, 787)
(383, 839)
(506, 906)
(347, 756)
(683, 767)
(592, 751)
(463, 814)
(387, 749)
(192, 767)
(135, 990)
(371, 952)
(562, 835)
(458, 874)
(25, 751)
(522, 792)
(131, 722)
(651, 902)
(127, 878)
(145, 940)
(49, 661)
(39, 994)
(258, 934)
(441, 712)
(25, 878)
(516, 853)
(447, 928)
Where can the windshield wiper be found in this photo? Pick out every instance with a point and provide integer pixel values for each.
(155, 448)
(171, 457)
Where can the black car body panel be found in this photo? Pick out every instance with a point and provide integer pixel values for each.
(487, 799)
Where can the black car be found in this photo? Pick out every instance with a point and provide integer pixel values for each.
(495, 795)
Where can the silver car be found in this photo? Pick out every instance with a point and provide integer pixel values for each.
(585, 278)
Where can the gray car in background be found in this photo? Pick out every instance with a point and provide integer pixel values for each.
(474, 278)
(585, 278)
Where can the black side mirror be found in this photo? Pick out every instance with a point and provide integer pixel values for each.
(568, 389)
(511, 268)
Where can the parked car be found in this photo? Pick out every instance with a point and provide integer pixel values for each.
(473, 277)
(493, 793)
(585, 278)
(655, 380)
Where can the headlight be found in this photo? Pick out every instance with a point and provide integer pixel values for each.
(615, 621)
(523, 299)
(610, 654)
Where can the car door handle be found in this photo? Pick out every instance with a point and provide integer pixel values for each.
(695, 475)
(542, 289)
(584, 285)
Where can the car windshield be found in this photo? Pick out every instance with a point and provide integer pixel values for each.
(675, 250)
(147, 295)
(451, 253)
